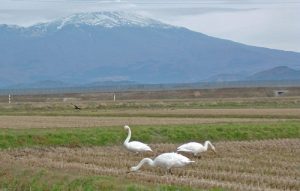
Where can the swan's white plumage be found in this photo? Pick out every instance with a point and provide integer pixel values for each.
(195, 148)
(134, 146)
(165, 160)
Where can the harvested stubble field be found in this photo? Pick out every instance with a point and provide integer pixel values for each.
(246, 165)
(50, 146)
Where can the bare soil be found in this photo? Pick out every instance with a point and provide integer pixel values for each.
(212, 112)
(26, 122)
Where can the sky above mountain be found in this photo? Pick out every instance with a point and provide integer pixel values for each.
(266, 23)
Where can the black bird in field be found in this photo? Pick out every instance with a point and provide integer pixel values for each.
(76, 107)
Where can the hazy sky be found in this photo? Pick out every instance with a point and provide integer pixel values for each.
(267, 23)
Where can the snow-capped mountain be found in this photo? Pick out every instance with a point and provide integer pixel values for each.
(109, 20)
(97, 19)
(117, 46)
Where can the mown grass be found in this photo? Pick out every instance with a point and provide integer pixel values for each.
(77, 137)
(43, 179)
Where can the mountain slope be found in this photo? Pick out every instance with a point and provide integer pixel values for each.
(116, 46)
(277, 73)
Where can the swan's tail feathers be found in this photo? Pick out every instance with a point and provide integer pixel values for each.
(183, 150)
(148, 148)
(189, 162)
(179, 147)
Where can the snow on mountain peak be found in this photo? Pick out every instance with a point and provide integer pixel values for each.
(99, 19)
(108, 19)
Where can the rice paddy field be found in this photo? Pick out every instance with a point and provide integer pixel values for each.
(48, 145)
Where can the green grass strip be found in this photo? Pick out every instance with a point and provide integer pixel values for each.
(42, 179)
(74, 137)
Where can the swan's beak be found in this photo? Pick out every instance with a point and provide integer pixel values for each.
(214, 150)
(128, 170)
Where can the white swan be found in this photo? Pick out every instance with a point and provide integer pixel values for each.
(134, 146)
(165, 160)
(195, 148)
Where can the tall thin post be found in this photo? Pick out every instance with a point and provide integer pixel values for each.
(9, 98)
(114, 97)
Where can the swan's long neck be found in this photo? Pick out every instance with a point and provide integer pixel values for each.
(206, 144)
(145, 160)
(128, 137)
